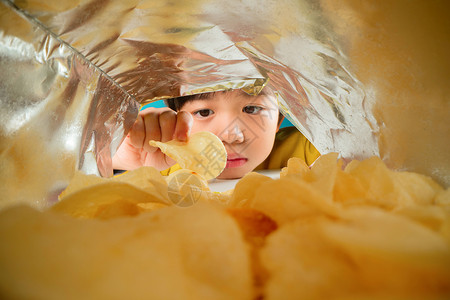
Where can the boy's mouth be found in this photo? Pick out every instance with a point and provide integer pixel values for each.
(235, 161)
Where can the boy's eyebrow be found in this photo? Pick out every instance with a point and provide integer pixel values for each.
(179, 102)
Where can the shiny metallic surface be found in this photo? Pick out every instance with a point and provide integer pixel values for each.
(355, 77)
(59, 113)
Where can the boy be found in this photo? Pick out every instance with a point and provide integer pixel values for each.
(247, 126)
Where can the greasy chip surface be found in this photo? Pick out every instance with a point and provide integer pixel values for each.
(147, 179)
(191, 253)
(90, 196)
(325, 232)
(370, 254)
(203, 153)
(96, 200)
(185, 187)
(364, 232)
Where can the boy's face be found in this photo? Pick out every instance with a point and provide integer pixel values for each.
(246, 125)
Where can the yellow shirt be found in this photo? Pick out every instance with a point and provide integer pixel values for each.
(289, 142)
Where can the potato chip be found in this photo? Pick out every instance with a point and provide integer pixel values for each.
(125, 195)
(192, 253)
(366, 229)
(221, 198)
(204, 153)
(146, 178)
(431, 216)
(185, 187)
(378, 243)
(255, 227)
(445, 228)
(90, 201)
(117, 208)
(80, 181)
(246, 188)
(323, 174)
(288, 199)
(369, 254)
(365, 232)
(295, 165)
(414, 188)
(443, 198)
(303, 265)
(377, 182)
(348, 189)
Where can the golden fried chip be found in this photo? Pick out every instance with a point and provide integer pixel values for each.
(416, 258)
(185, 187)
(303, 265)
(295, 165)
(431, 216)
(315, 233)
(192, 253)
(87, 202)
(204, 153)
(80, 181)
(288, 199)
(443, 198)
(367, 229)
(376, 180)
(246, 187)
(255, 227)
(348, 189)
(323, 174)
(146, 178)
(90, 196)
(369, 254)
(222, 198)
(117, 208)
(414, 188)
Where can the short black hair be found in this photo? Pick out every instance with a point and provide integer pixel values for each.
(177, 103)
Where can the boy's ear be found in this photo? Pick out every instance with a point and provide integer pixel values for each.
(280, 120)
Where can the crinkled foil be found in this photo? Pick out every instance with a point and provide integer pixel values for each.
(360, 78)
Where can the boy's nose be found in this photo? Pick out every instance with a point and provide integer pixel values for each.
(232, 134)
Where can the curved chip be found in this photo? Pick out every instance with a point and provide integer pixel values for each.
(204, 153)
(110, 197)
(185, 188)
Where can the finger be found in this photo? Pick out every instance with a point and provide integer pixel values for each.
(167, 121)
(152, 130)
(183, 125)
(137, 133)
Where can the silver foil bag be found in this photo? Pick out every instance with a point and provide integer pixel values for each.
(356, 78)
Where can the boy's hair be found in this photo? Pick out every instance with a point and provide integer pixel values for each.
(177, 103)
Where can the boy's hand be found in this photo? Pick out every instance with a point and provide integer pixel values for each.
(159, 124)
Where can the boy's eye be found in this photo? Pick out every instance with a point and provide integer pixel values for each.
(203, 113)
(251, 109)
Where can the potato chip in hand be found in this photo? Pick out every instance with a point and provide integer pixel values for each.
(203, 153)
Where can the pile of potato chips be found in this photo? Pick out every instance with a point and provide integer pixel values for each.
(325, 232)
